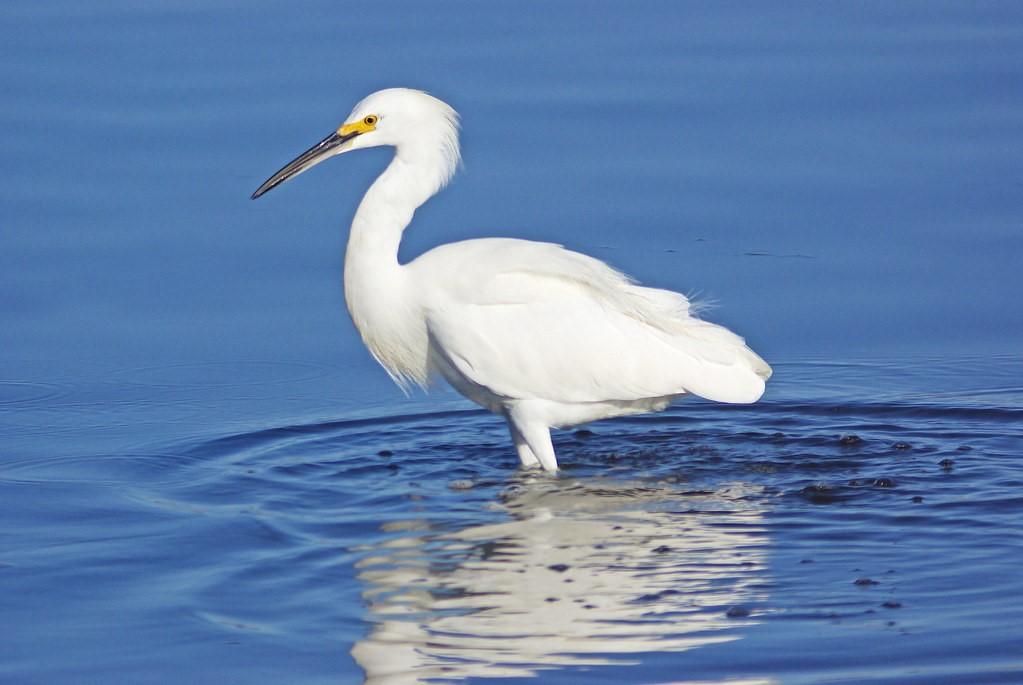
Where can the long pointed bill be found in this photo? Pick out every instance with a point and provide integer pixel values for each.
(308, 159)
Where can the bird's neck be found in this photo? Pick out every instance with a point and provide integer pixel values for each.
(384, 213)
(377, 292)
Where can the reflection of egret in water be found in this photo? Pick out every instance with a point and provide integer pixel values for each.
(587, 571)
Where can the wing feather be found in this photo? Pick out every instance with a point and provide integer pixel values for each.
(533, 320)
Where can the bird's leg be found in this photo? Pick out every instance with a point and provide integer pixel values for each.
(526, 455)
(537, 438)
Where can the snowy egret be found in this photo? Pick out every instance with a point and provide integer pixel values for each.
(541, 335)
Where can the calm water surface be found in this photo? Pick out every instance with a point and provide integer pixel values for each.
(203, 477)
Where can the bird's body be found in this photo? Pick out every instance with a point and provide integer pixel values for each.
(542, 335)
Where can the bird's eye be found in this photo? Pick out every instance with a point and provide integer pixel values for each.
(370, 120)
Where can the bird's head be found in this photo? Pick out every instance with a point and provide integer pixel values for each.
(422, 128)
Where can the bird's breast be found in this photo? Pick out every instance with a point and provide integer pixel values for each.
(390, 321)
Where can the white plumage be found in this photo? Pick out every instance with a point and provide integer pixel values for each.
(542, 335)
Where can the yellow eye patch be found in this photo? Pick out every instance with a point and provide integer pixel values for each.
(364, 125)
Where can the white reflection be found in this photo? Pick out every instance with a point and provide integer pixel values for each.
(588, 571)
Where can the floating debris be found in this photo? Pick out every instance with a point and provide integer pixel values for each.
(656, 596)
(820, 493)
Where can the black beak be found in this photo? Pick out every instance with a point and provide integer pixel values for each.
(310, 158)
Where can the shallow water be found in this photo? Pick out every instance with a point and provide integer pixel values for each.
(864, 535)
(204, 478)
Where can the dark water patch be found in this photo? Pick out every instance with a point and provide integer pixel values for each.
(778, 256)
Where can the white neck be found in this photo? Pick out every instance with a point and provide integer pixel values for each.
(380, 300)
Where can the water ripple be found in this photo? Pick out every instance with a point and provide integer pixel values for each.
(689, 537)
(24, 393)
(670, 533)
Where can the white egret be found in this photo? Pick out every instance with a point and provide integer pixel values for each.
(541, 335)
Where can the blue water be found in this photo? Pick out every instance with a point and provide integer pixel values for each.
(205, 478)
